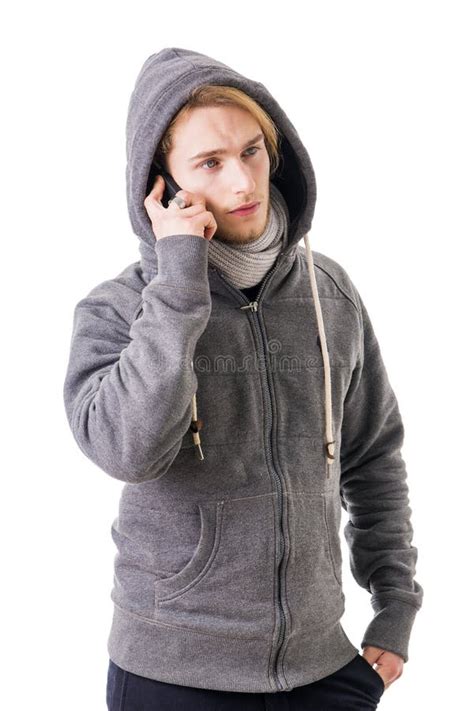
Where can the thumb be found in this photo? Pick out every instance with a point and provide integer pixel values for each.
(370, 654)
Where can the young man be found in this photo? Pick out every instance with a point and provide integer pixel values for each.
(242, 403)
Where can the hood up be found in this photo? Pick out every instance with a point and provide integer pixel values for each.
(162, 87)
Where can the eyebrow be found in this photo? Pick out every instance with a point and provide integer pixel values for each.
(222, 151)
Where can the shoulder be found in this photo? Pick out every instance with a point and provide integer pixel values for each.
(332, 278)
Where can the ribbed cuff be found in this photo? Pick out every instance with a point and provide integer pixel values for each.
(391, 626)
(183, 261)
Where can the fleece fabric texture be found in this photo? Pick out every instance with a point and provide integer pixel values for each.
(228, 569)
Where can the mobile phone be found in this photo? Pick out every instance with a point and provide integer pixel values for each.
(171, 186)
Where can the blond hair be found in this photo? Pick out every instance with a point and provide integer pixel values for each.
(219, 95)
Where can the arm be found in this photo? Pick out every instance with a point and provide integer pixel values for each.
(374, 492)
(128, 390)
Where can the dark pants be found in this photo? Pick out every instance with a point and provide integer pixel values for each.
(354, 687)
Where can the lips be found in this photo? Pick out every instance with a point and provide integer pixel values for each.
(245, 209)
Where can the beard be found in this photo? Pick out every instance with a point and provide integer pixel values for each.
(251, 235)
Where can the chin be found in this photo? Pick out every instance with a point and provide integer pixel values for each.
(249, 232)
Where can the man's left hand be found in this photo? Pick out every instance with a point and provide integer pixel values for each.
(389, 664)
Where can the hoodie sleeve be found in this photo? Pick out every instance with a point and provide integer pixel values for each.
(128, 389)
(374, 492)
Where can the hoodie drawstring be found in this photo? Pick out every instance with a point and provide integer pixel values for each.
(330, 443)
(196, 424)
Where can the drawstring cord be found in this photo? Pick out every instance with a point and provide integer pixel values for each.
(195, 426)
(330, 443)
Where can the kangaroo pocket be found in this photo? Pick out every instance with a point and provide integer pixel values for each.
(314, 568)
(204, 565)
(226, 587)
(202, 559)
(152, 542)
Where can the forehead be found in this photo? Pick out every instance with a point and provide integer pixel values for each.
(208, 128)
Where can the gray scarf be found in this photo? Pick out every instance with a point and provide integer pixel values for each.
(246, 264)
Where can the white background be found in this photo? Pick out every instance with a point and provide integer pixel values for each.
(381, 94)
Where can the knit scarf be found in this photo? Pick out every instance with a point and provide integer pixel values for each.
(245, 265)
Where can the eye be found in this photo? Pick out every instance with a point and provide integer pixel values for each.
(209, 160)
(212, 160)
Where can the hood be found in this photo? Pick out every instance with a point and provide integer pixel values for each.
(162, 87)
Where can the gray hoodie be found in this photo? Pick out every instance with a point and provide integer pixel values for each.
(228, 567)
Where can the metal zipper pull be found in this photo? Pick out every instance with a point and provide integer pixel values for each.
(253, 306)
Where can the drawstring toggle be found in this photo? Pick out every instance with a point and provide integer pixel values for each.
(195, 426)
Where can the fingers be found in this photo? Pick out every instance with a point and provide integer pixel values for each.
(211, 226)
(194, 218)
(189, 198)
(189, 211)
(156, 195)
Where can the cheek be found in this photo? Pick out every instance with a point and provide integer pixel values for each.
(264, 164)
(262, 173)
(201, 187)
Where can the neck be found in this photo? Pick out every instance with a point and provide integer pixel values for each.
(245, 264)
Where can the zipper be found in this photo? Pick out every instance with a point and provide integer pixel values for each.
(253, 307)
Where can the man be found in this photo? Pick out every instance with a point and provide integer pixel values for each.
(242, 403)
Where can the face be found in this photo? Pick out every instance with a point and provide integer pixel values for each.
(240, 174)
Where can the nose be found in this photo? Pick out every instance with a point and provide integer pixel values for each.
(241, 179)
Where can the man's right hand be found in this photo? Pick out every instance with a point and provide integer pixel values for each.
(172, 220)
